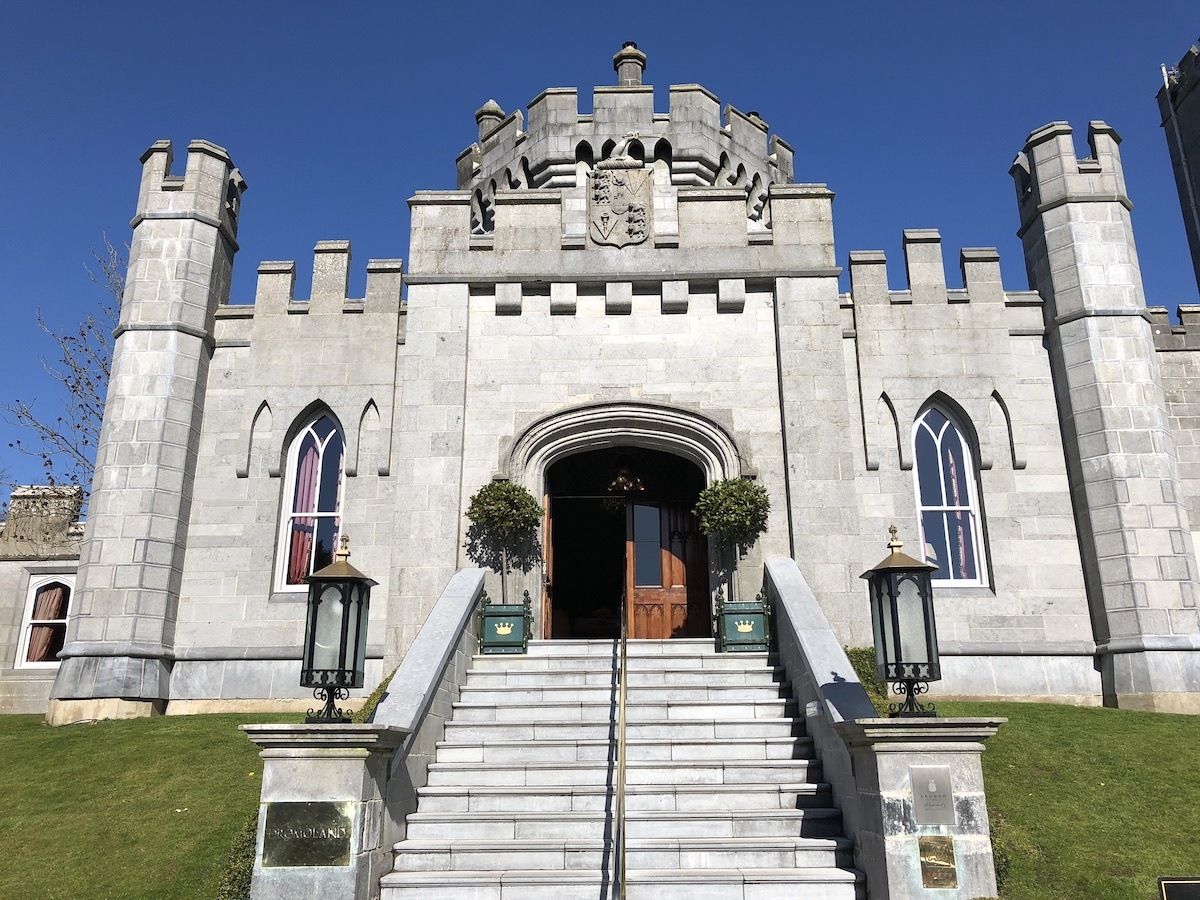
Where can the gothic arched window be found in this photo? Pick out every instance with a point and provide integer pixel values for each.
(313, 494)
(947, 498)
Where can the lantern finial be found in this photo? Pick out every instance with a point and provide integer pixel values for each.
(895, 543)
(343, 553)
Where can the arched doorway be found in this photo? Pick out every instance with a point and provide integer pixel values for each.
(622, 539)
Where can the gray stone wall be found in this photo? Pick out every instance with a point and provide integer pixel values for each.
(277, 364)
(976, 351)
(1179, 368)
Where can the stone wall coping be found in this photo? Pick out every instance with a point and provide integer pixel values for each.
(424, 663)
(376, 738)
(1017, 648)
(800, 190)
(440, 198)
(825, 661)
(916, 735)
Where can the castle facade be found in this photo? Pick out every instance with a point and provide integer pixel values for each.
(614, 310)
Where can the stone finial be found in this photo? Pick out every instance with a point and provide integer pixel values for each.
(487, 117)
(629, 63)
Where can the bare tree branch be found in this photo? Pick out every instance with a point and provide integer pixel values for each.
(66, 444)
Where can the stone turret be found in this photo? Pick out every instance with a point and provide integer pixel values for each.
(702, 145)
(119, 652)
(1134, 532)
(1179, 103)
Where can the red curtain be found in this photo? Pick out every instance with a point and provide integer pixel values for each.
(49, 603)
(302, 528)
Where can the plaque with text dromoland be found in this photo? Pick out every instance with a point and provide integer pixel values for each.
(308, 834)
(1179, 888)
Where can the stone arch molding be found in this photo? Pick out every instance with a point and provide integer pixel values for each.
(673, 430)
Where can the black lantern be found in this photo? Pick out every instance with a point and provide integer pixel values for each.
(335, 635)
(906, 649)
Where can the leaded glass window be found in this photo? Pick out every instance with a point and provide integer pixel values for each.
(947, 498)
(314, 497)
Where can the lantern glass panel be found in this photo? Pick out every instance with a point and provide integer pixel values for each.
(910, 610)
(360, 648)
(328, 631)
(881, 623)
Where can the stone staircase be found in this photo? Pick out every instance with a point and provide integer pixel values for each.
(723, 795)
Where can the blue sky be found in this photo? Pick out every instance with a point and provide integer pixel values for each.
(337, 113)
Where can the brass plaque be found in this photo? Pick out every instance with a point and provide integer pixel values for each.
(933, 798)
(308, 834)
(937, 862)
(1179, 888)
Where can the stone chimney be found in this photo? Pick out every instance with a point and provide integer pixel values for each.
(629, 62)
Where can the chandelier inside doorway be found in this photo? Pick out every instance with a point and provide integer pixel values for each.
(623, 484)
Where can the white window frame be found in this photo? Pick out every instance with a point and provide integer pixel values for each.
(27, 621)
(972, 508)
(288, 513)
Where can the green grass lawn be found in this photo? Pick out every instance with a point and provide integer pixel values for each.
(142, 808)
(1089, 804)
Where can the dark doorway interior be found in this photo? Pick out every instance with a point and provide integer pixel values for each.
(589, 567)
(591, 543)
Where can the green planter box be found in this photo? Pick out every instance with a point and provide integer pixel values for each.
(504, 628)
(744, 627)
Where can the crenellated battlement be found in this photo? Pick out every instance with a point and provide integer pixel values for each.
(695, 143)
(1169, 337)
(210, 189)
(923, 261)
(1047, 172)
(275, 293)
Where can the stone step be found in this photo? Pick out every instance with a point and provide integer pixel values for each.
(649, 772)
(591, 798)
(599, 751)
(605, 677)
(468, 732)
(821, 883)
(728, 823)
(635, 647)
(636, 694)
(641, 853)
(581, 711)
(716, 661)
(722, 799)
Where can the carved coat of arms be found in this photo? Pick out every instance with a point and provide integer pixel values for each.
(620, 201)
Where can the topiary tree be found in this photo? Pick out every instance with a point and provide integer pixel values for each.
(734, 511)
(503, 517)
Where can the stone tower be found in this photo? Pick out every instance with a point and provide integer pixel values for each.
(1179, 103)
(119, 651)
(1133, 527)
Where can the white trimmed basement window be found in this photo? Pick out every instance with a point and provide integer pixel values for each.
(947, 499)
(44, 623)
(313, 490)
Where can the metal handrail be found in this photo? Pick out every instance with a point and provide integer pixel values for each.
(624, 679)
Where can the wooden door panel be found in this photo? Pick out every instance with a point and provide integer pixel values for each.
(678, 605)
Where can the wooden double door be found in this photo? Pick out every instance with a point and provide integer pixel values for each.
(666, 572)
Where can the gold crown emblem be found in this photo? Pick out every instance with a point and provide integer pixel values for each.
(504, 628)
(744, 625)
